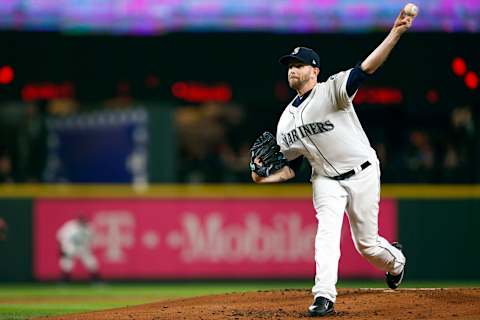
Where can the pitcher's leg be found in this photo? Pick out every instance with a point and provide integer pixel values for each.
(91, 263)
(330, 209)
(380, 253)
(66, 262)
(362, 210)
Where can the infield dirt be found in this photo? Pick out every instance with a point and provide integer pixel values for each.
(355, 304)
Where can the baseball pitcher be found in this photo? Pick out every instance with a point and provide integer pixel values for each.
(321, 125)
(75, 237)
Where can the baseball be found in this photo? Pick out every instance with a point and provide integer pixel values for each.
(410, 9)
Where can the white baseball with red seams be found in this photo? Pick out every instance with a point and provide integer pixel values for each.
(411, 9)
(325, 129)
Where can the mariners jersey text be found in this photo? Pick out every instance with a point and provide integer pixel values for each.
(306, 130)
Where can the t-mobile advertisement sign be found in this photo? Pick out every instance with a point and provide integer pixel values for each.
(235, 238)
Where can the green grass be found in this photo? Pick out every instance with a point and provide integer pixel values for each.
(26, 311)
(23, 301)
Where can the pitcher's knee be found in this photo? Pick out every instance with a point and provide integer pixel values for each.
(367, 250)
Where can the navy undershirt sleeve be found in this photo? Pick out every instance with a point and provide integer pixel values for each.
(296, 163)
(356, 77)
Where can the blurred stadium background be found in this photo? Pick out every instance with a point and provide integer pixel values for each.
(138, 114)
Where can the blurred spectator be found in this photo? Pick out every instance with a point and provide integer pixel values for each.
(212, 146)
(235, 152)
(462, 122)
(377, 138)
(381, 150)
(62, 107)
(214, 141)
(236, 161)
(5, 167)
(452, 171)
(11, 115)
(3, 229)
(200, 136)
(459, 147)
(75, 238)
(419, 157)
(33, 142)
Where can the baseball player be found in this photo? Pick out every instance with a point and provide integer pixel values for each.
(321, 125)
(75, 237)
(3, 229)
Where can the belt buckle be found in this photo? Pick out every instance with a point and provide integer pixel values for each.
(352, 172)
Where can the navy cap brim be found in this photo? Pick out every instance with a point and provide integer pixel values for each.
(286, 60)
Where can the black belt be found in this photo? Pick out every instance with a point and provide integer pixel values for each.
(352, 172)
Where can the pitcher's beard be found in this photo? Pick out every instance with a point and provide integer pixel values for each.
(296, 83)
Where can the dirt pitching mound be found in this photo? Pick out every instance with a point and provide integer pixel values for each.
(355, 304)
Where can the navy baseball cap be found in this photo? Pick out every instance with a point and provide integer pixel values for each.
(302, 54)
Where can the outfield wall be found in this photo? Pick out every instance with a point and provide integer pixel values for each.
(229, 231)
(16, 239)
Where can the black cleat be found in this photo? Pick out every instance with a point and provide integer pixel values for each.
(321, 307)
(393, 282)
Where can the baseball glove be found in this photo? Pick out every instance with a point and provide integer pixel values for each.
(266, 157)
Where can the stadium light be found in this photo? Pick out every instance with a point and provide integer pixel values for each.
(6, 74)
(471, 80)
(459, 67)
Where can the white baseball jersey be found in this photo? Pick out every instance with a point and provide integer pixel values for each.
(74, 237)
(325, 129)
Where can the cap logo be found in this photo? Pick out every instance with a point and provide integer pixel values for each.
(296, 50)
(314, 62)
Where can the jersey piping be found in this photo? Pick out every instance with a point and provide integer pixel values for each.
(316, 147)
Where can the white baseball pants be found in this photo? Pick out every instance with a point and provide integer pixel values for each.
(71, 253)
(359, 195)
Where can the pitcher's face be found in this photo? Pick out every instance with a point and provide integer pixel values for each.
(300, 74)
